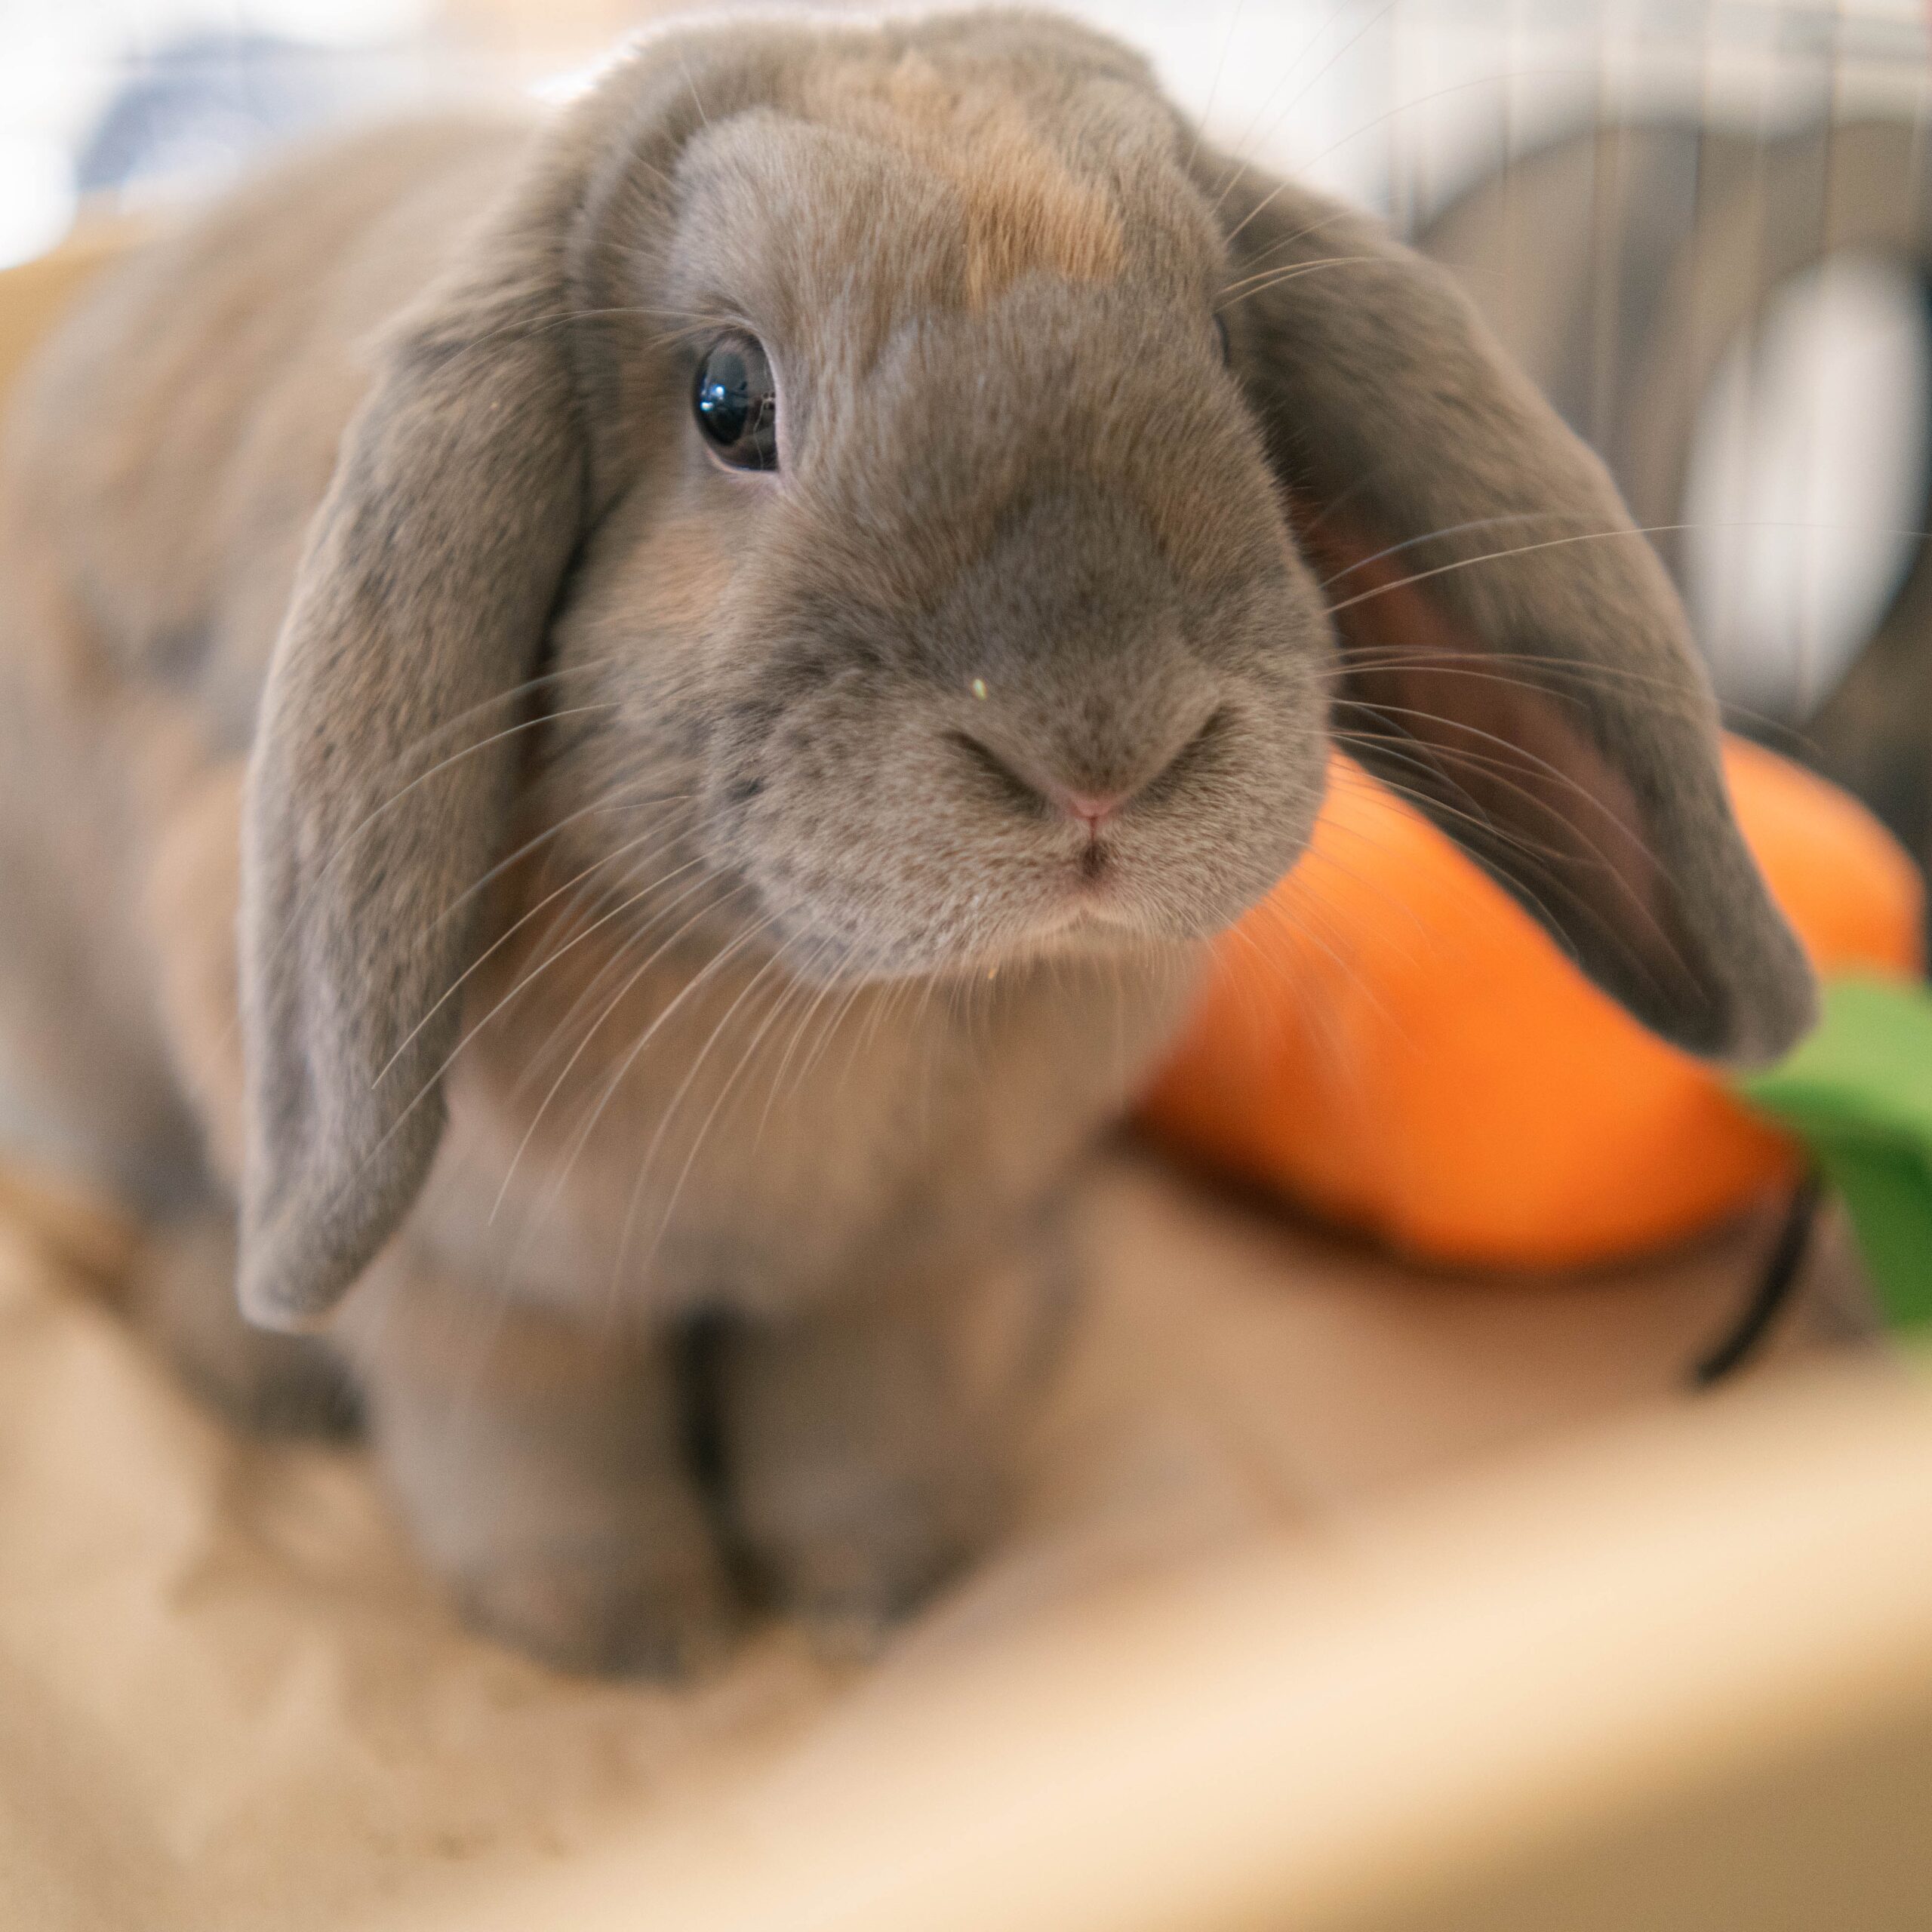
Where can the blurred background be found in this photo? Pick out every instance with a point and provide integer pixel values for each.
(1701, 223)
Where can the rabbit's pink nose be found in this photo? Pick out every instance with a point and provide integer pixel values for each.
(1092, 809)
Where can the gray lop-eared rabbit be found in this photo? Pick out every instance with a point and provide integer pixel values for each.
(724, 657)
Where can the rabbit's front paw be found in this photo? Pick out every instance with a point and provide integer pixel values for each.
(545, 1477)
(607, 1607)
(856, 1559)
(858, 1479)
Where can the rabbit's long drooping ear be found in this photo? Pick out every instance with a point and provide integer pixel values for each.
(381, 775)
(1513, 657)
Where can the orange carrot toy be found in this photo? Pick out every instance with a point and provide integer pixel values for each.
(1391, 1040)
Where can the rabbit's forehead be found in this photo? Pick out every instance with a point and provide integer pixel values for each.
(893, 183)
(1024, 207)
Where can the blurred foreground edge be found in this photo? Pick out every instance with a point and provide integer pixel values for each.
(1677, 1675)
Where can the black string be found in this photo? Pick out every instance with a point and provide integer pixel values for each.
(1784, 1266)
(698, 1344)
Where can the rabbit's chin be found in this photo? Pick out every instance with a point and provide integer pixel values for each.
(1064, 935)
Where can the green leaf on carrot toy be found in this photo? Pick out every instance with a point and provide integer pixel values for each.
(1858, 1092)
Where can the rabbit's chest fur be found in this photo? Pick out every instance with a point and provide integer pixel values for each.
(722, 1133)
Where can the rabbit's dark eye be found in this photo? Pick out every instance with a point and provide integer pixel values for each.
(1221, 337)
(737, 403)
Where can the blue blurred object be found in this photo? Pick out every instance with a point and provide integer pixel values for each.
(202, 105)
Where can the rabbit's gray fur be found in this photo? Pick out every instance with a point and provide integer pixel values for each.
(382, 480)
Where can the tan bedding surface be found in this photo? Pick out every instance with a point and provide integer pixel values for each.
(229, 1699)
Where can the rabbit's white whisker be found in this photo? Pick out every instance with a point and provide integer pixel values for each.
(713, 966)
(1258, 284)
(1246, 148)
(469, 1037)
(644, 1038)
(616, 1000)
(635, 932)
(1497, 556)
(503, 938)
(1461, 529)
(1552, 868)
(1214, 87)
(555, 829)
(676, 1101)
(1294, 101)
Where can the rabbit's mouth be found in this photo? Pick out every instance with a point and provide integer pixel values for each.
(1090, 895)
(1089, 907)
(1095, 904)
(981, 890)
